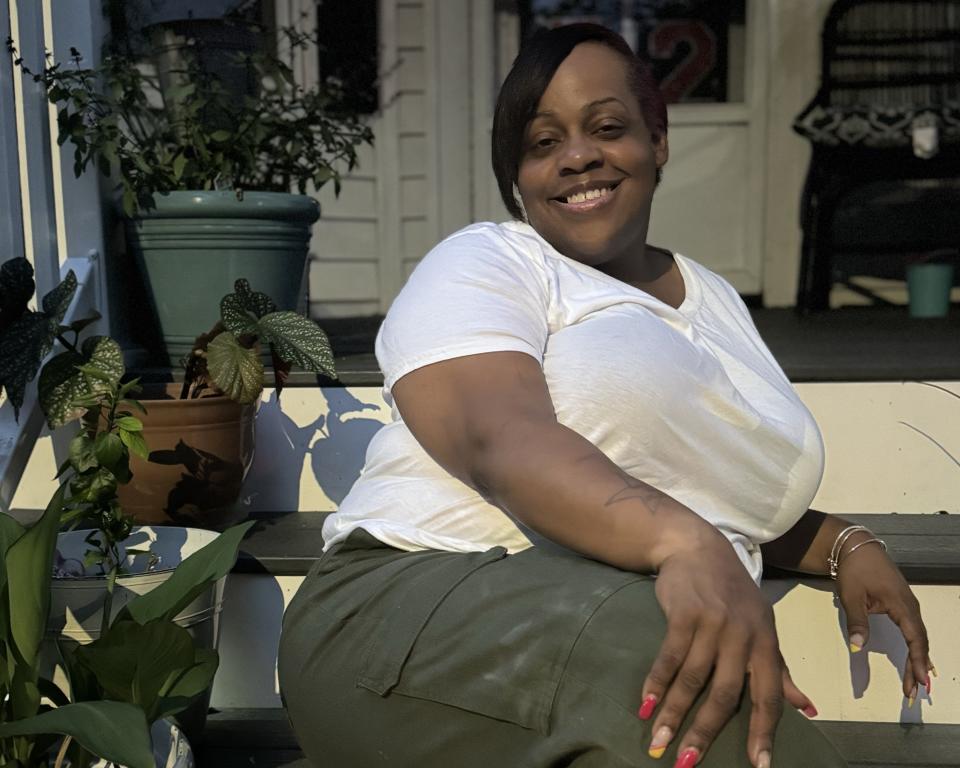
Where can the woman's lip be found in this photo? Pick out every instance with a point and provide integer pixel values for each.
(587, 205)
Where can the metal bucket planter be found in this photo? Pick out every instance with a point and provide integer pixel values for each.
(200, 453)
(76, 600)
(194, 245)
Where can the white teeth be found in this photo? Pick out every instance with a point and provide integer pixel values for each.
(590, 194)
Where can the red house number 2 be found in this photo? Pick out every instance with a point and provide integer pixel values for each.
(695, 66)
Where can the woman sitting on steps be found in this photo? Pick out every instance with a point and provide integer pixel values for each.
(553, 553)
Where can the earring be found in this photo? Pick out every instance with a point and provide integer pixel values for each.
(519, 201)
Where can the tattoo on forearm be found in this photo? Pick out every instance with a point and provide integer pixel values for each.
(639, 490)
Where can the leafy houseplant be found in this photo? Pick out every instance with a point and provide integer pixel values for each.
(143, 666)
(205, 170)
(197, 134)
(203, 440)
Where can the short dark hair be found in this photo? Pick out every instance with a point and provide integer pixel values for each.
(529, 77)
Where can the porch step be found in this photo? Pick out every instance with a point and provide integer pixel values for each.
(262, 738)
(925, 547)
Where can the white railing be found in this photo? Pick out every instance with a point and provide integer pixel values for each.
(44, 211)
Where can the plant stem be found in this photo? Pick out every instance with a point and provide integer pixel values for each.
(108, 600)
(66, 343)
(63, 751)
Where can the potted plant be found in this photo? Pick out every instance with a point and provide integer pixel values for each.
(201, 431)
(205, 168)
(142, 669)
(140, 665)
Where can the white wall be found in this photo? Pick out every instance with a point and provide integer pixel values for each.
(888, 448)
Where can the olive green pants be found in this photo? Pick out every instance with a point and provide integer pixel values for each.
(482, 660)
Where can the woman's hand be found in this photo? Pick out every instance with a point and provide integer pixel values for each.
(719, 628)
(869, 582)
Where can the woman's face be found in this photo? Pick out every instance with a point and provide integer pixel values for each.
(588, 167)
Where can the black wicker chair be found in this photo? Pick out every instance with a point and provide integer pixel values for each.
(884, 177)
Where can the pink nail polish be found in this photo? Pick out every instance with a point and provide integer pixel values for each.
(927, 685)
(646, 708)
(810, 710)
(687, 759)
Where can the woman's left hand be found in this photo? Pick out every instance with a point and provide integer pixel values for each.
(869, 582)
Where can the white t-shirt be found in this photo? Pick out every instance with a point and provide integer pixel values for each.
(689, 400)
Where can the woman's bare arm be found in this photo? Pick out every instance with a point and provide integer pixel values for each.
(488, 420)
(869, 582)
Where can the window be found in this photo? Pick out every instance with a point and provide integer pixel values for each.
(348, 47)
(696, 47)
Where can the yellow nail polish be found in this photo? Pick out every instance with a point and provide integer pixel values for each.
(656, 752)
(854, 648)
(910, 701)
(933, 671)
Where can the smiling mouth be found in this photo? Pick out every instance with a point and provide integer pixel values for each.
(587, 200)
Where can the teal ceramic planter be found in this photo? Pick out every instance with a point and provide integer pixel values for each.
(194, 245)
(929, 286)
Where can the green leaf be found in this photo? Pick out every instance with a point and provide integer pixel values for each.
(300, 342)
(98, 487)
(129, 424)
(16, 289)
(135, 662)
(112, 730)
(22, 348)
(236, 317)
(195, 574)
(93, 372)
(190, 683)
(179, 163)
(108, 449)
(83, 684)
(236, 370)
(135, 444)
(29, 561)
(129, 202)
(82, 456)
(62, 384)
(131, 386)
(253, 301)
(56, 302)
(10, 531)
(221, 136)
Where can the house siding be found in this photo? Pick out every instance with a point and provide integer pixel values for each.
(368, 238)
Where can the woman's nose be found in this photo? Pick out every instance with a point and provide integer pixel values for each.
(579, 154)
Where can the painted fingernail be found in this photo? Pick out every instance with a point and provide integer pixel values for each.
(933, 671)
(810, 710)
(912, 698)
(688, 758)
(660, 741)
(763, 759)
(646, 708)
(856, 642)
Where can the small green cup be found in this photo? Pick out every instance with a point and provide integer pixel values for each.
(928, 286)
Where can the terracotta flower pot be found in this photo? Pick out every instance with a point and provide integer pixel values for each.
(200, 452)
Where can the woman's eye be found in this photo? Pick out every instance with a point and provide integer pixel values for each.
(608, 129)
